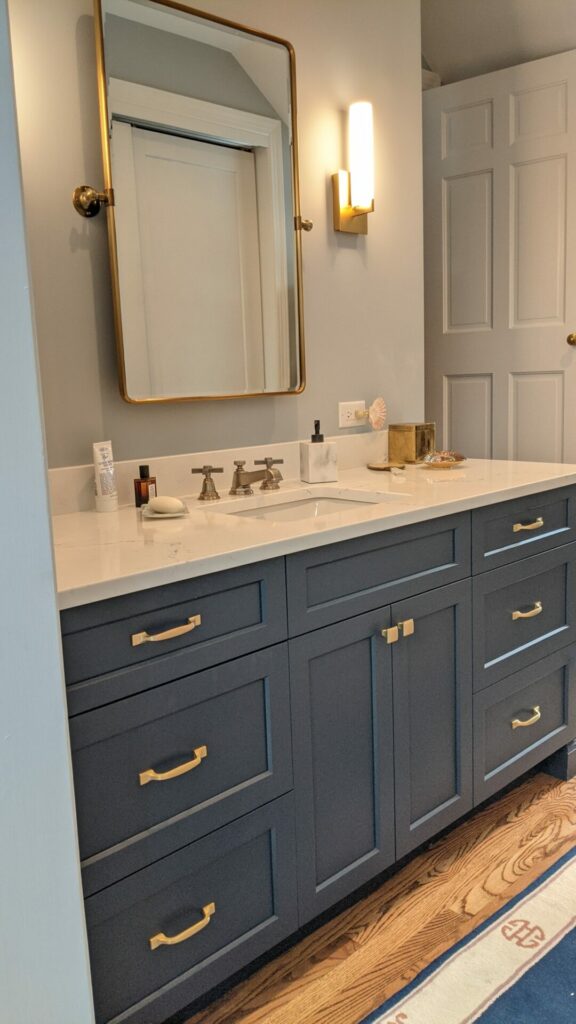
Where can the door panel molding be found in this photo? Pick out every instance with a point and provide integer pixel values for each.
(468, 413)
(536, 438)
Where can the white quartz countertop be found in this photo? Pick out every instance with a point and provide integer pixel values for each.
(102, 555)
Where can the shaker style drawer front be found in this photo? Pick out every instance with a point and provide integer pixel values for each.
(522, 612)
(192, 754)
(332, 583)
(516, 529)
(173, 930)
(521, 720)
(206, 620)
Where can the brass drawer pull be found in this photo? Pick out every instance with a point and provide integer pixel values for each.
(164, 940)
(407, 627)
(151, 776)
(535, 610)
(517, 723)
(537, 524)
(391, 634)
(168, 634)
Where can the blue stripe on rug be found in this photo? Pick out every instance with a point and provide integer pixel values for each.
(556, 1002)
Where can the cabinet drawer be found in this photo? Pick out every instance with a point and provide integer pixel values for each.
(521, 613)
(503, 533)
(232, 613)
(521, 720)
(239, 882)
(329, 584)
(229, 727)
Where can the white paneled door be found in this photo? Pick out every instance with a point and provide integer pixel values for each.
(500, 261)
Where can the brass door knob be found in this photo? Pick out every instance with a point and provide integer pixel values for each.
(571, 339)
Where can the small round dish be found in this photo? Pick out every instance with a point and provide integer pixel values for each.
(443, 460)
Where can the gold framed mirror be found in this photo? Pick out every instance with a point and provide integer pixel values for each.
(198, 131)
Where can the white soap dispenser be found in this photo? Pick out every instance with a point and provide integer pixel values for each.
(318, 459)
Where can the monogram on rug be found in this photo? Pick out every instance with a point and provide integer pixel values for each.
(519, 967)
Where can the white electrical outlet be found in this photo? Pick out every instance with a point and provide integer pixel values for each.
(347, 414)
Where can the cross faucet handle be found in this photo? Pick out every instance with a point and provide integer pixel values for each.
(208, 492)
(268, 462)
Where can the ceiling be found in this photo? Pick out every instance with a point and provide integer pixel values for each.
(463, 38)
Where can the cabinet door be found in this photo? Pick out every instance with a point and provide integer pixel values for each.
(432, 670)
(343, 758)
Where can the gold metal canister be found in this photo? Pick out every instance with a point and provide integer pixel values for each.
(410, 442)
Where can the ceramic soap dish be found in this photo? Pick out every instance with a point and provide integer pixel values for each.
(148, 513)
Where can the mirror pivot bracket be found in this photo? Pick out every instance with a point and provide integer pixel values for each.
(87, 201)
(301, 224)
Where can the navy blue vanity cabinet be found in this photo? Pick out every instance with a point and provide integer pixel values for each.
(252, 746)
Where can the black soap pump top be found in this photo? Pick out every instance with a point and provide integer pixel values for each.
(317, 437)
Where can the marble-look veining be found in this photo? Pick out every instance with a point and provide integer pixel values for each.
(101, 555)
(318, 462)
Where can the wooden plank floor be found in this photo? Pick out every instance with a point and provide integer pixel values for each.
(348, 967)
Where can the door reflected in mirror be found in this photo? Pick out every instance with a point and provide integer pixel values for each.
(199, 144)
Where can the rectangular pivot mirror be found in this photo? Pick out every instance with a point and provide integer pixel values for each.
(198, 126)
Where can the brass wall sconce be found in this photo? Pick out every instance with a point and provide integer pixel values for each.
(353, 190)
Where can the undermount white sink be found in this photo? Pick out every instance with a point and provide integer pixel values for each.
(311, 503)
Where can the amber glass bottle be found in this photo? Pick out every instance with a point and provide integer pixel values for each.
(144, 486)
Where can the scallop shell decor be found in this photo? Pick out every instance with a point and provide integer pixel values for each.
(377, 414)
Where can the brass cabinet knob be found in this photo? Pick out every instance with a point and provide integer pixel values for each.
(571, 339)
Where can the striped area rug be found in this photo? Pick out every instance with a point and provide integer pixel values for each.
(518, 967)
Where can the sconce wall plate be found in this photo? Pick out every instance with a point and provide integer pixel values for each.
(351, 219)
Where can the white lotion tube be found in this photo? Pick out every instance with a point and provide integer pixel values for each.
(104, 477)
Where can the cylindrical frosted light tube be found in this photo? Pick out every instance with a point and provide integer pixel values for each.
(361, 154)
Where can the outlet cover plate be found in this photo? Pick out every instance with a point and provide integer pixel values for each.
(347, 414)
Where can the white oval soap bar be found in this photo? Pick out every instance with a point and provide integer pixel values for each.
(163, 505)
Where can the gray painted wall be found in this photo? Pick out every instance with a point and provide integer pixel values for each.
(44, 975)
(363, 296)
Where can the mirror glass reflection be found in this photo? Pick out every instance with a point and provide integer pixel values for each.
(198, 128)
